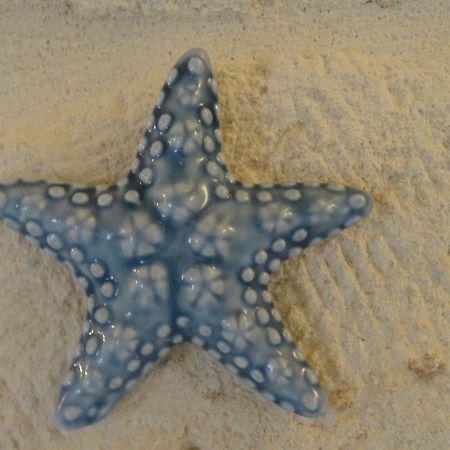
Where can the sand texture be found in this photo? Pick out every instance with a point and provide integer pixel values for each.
(351, 91)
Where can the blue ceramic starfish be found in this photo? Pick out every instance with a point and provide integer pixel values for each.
(180, 251)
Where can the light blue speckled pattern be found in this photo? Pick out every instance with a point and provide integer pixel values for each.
(180, 251)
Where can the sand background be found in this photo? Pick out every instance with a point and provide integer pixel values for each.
(354, 91)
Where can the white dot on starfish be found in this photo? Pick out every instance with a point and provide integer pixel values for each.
(242, 196)
(129, 333)
(97, 270)
(54, 241)
(206, 115)
(298, 355)
(90, 303)
(262, 315)
(147, 349)
(336, 187)
(208, 143)
(132, 196)
(287, 335)
(91, 345)
(221, 158)
(223, 347)
(145, 175)
(276, 315)
(218, 134)
(177, 338)
(107, 289)
(250, 296)
(295, 251)
(133, 365)
(160, 99)
(116, 382)
(241, 362)
(163, 331)
(150, 122)
(205, 330)
(56, 192)
(267, 297)
(213, 85)
(292, 194)
(274, 336)
(142, 145)
(315, 241)
(172, 77)
(357, 201)
(279, 245)
(104, 199)
(135, 164)
(71, 413)
(196, 65)
(299, 235)
(87, 326)
(257, 375)
(264, 278)
(182, 321)
(264, 196)
(101, 315)
(34, 229)
(215, 354)
(156, 149)
(248, 274)
(164, 122)
(311, 400)
(352, 221)
(92, 412)
(310, 376)
(80, 198)
(261, 257)
(222, 191)
(274, 264)
(231, 368)
(213, 169)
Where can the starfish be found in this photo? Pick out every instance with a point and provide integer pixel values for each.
(180, 251)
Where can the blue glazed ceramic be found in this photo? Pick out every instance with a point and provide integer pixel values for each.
(180, 251)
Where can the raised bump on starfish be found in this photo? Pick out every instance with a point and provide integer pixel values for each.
(180, 251)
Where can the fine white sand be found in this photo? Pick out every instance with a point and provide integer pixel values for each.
(352, 91)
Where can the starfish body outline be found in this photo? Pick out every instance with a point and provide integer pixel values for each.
(180, 251)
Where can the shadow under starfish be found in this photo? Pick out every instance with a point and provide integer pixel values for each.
(180, 251)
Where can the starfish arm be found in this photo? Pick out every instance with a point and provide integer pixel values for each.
(113, 355)
(252, 343)
(180, 153)
(289, 218)
(55, 216)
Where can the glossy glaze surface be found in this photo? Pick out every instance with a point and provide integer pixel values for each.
(180, 251)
